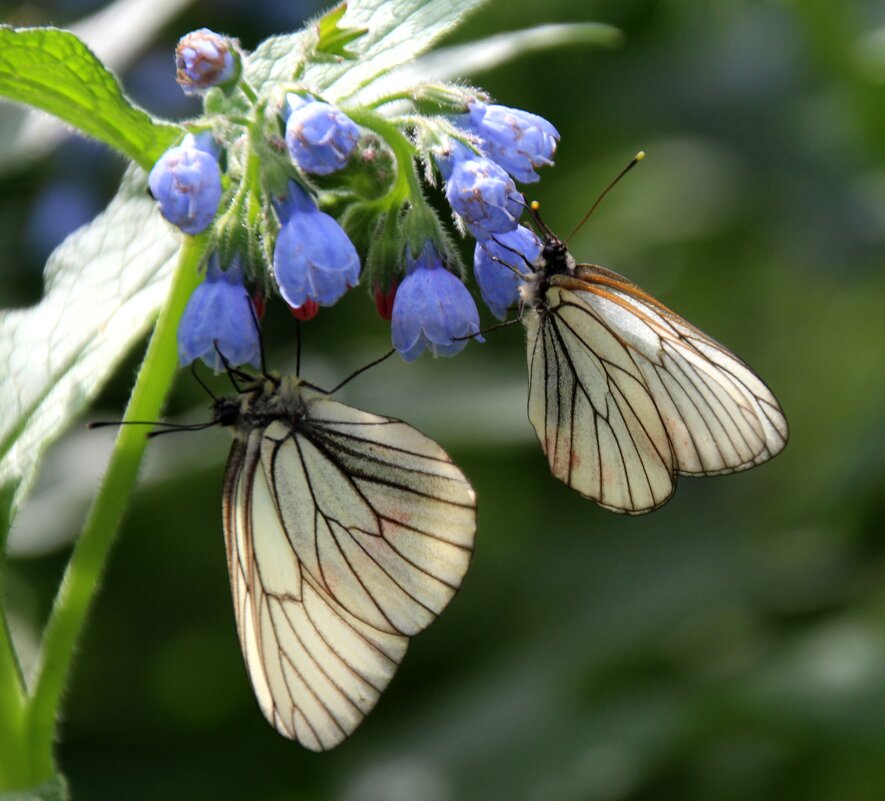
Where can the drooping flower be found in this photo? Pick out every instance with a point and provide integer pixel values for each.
(498, 263)
(186, 182)
(204, 59)
(313, 258)
(480, 191)
(517, 140)
(218, 311)
(433, 310)
(319, 136)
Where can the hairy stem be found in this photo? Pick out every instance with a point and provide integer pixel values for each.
(87, 561)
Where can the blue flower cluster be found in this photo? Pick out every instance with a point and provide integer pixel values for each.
(480, 188)
(314, 261)
(272, 231)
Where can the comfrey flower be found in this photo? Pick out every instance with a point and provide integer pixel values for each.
(319, 136)
(498, 283)
(186, 182)
(313, 258)
(218, 311)
(520, 142)
(432, 310)
(480, 191)
(204, 59)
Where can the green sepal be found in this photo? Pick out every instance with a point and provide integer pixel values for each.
(333, 38)
(369, 174)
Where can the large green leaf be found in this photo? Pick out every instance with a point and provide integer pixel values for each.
(473, 58)
(398, 31)
(26, 134)
(53, 70)
(104, 285)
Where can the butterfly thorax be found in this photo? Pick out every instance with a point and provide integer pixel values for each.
(554, 259)
(267, 399)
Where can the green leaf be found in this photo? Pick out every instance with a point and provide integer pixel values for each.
(27, 135)
(467, 60)
(398, 31)
(104, 285)
(53, 70)
(333, 39)
(55, 790)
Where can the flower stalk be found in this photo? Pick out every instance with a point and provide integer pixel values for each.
(87, 561)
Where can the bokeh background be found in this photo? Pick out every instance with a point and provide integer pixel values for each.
(730, 645)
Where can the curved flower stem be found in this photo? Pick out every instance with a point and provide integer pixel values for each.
(87, 561)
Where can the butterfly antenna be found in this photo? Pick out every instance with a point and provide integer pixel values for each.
(518, 253)
(168, 427)
(202, 383)
(105, 423)
(491, 328)
(172, 429)
(232, 372)
(362, 369)
(534, 209)
(635, 160)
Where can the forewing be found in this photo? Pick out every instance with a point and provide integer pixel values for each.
(316, 669)
(719, 415)
(381, 519)
(592, 411)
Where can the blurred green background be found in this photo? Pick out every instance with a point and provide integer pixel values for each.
(730, 645)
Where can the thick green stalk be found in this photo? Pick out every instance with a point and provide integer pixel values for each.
(12, 708)
(84, 569)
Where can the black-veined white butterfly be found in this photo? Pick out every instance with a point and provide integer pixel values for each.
(624, 394)
(346, 534)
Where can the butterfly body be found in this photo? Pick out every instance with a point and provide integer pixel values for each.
(624, 394)
(346, 534)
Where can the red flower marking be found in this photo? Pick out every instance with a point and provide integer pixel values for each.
(384, 300)
(260, 303)
(307, 311)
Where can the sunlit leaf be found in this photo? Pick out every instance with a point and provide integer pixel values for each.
(53, 70)
(398, 31)
(104, 285)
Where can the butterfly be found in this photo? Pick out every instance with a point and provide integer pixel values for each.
(346, 534)
(625, 395)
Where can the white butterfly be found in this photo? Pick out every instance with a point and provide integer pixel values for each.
(625, 394)
(346, 534)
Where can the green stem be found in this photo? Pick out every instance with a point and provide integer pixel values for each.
(12, 706)
(407, 184)
(87, 561)
(248, 90)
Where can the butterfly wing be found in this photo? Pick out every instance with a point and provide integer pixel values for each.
(625, 356)
(345, 534)
(592, 411)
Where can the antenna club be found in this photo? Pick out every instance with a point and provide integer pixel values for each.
(639, 156)
(534, 205)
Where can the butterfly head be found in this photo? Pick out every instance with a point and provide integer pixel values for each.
(226, 411)
(555, 258)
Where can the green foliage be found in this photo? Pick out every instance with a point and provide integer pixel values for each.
(104, 285)
(53, 70)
